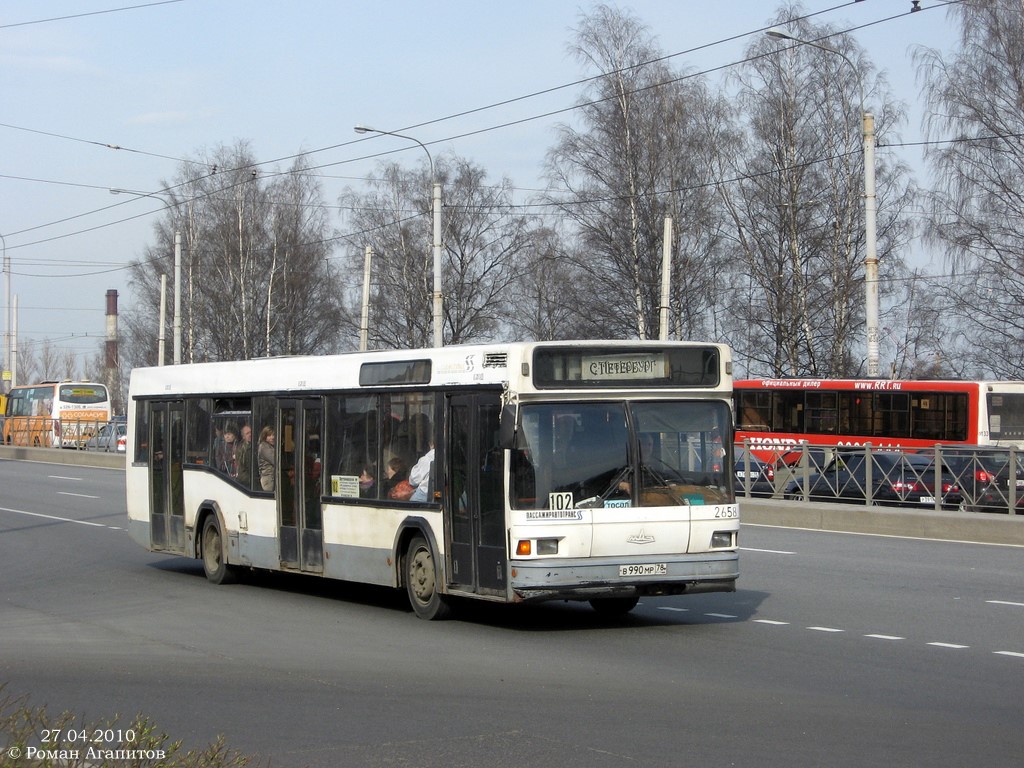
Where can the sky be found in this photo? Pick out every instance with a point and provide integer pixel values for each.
(113, 94)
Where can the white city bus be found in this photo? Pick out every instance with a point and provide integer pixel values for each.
(509, 472)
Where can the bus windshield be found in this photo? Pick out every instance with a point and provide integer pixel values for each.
(83, 394)
(619, 454)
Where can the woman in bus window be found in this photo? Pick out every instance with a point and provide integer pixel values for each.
(396, 484)
(265, 458)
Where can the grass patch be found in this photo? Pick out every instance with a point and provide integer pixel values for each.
(33, 738)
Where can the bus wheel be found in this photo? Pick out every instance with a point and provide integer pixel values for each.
(614, 606)
(215, 562)
(421, 582)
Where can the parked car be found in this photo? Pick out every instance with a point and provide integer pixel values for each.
(995, 497)
(111, 437)
(982, 472)
(905, 479)
(753, 476)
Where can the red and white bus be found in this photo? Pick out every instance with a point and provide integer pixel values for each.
(776, 414)
(55, 414)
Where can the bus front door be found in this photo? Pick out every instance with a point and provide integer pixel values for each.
(166, 486)
(473, 500)
(298, 483)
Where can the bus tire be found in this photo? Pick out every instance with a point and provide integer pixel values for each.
(213, 553)
(614, 606)
(421, 582)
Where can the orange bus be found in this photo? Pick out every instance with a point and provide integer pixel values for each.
(776, 415)
(55, 414)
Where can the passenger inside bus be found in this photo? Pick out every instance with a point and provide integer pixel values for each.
(243, 456)
(396, 484)
(266, 458)
(226, 451)
(419, 475)
(368, 481)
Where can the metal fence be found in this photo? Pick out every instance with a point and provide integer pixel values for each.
(983, 479)
(40, 432)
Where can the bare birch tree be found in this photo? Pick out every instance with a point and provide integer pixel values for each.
(974, 95)
(793, 187)
(256, 278)
(634, 160)
(483, 241)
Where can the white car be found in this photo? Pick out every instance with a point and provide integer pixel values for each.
(111, 438)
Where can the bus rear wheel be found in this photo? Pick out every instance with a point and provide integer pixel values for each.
(421, 582)
(215, 561)
(614, 606)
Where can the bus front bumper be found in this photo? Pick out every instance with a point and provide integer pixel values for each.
(587, 579)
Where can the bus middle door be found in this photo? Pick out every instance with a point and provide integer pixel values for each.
(166, 479)
(298, 483)
(474, 505)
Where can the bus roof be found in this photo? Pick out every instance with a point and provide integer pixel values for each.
(471, 364)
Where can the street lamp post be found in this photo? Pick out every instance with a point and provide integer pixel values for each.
(870, 210)
(436, 209)
(177, 278)
(8, 368)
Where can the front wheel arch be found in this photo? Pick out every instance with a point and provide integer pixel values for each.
(423, 578)
(213, 551)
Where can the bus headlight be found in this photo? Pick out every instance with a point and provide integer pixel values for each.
(527, 547)
(723, 539)
(547, 546)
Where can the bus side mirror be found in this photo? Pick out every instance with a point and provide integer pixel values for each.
(507, 428)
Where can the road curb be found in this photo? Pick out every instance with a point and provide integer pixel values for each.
(981, 527)
(62, 456)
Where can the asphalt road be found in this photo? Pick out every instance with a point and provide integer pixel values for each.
(838, 650)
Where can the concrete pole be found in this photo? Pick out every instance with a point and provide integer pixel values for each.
(177, 298)
(110, 348)
(870, 249)
(666, 277)
(161, 342)
(14, 343)
(364, 322)
(8, 332)
(438, 296)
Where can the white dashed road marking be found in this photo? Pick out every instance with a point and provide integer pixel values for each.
(59, 519)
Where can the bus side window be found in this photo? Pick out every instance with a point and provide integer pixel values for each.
(142, 432)
(352, 445)
(197, 439)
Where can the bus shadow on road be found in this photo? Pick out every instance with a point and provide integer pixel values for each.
(555, 616)
(295, 583)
